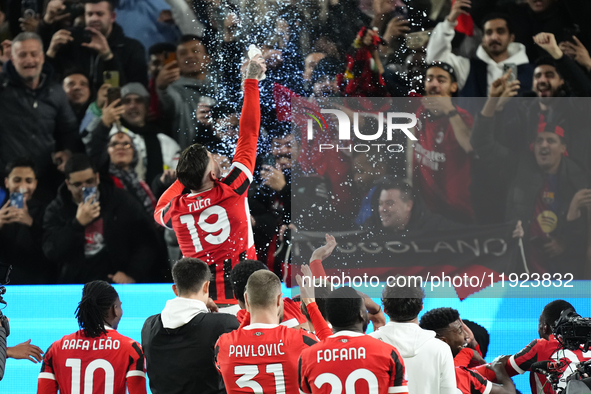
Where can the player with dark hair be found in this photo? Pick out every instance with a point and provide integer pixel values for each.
(449, 328)
(349, 358)
(239, 277)
(95, 359)
(262, 357)
(292, 316)
(179, 342)
(480, 337)
(419, 348)
(545, 348)
(212, 223)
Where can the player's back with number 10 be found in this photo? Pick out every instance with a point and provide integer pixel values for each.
(212, 223)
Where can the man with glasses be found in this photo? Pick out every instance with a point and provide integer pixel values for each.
(157, 152)
(93, 231)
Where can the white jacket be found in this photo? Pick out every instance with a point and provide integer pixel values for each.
(439, 50)
(428, 361)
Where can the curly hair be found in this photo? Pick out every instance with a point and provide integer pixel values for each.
(439, 319)
(240, 274)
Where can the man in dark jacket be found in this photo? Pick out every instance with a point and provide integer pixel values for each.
(558, 83)
(96, 231)
(179, 342)
(21, 227)
(108, 50)
(546, 190)
(36, 119)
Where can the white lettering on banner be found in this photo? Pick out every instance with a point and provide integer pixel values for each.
(492, 246)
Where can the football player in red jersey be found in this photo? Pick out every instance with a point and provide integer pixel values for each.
(349, 360)
(292, 315)
(212, 222)
(96, 359)
(545, 348)
(262, 357)
(449, 328)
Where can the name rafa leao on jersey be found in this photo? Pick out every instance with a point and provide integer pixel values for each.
(85, 344)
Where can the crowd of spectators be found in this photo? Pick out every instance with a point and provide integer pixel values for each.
(99, 98)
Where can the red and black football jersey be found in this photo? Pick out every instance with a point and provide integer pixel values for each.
(471, 382)
(441, 166)
(351, 362)
(261, 358)
(541, 350)
(292, 314)
(106, 364)
(214, 225)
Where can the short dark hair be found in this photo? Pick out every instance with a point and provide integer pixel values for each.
(497, 15)
(161, 47)
(552, 311)
(112, 3)
(240, 274)
(406, 190)
(191, 37)
(262, 288)
(547, 61)
(439, 319)
(190, 274)
(21, 162)
(403, 303)
(192, 165)
(343, 306)
(78, 162)
(480, 334)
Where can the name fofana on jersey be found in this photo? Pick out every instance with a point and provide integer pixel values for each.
(343, 354)
(97, 344)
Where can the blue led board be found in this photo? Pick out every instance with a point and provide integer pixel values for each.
(46, 313)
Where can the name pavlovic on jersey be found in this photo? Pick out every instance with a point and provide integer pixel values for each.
(214, 225)
(351, 362)
(79, 364)
(261, 358)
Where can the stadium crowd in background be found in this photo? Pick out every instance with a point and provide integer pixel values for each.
(177, 65)
(101, 100)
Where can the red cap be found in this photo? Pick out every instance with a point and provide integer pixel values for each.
(558, 130)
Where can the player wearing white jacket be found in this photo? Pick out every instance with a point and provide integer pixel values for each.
(429, 362)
